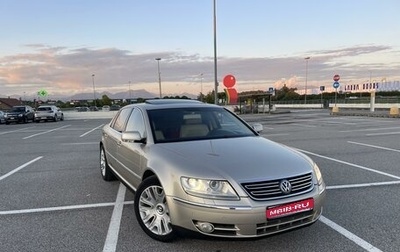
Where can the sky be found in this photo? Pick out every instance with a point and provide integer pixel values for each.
(59, 45)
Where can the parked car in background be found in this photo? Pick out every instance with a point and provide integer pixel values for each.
(105, 108)
(115, 107)
(93, 108)
(2, 120)
(48, 113)
(82, 109)
(19, 114)
(200, 167)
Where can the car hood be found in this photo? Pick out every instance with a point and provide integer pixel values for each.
(14, 113)
(241, 159)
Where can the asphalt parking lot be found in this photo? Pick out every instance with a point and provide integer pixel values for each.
(52, 196)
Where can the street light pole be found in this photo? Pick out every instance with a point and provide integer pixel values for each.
(130, 92)
(159, 75)
(201, 87)
(94, 91)
(215, 56)
(305, 91)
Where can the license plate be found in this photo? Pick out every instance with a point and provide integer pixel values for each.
(12, 118)
(44, 118)
(290, 208)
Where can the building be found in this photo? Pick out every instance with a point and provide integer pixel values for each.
(8, 103)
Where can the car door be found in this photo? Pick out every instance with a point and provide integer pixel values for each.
(129, 153)
(112, 139)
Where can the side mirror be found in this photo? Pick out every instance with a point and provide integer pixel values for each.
(132, 137)
(257, 127)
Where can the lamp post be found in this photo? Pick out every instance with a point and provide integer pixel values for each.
(159, 75)
(215, 56)
(94, 91)
(305, 91)
(201, 87)
(130, 92)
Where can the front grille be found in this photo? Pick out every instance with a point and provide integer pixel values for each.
(268, 190)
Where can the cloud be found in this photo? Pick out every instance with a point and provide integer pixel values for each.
(69, 70)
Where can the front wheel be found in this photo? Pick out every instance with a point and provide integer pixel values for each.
(152, 211)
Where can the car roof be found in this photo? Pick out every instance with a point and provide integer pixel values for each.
(171, 103)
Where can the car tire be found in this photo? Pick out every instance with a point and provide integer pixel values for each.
(105, 169)
(55, 118)
(62, 117)
(152, 211)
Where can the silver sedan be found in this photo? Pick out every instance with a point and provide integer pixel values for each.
(200, 167)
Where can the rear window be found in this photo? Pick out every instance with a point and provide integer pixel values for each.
(44, 109)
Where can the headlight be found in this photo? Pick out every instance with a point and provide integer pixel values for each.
(317, 173)
(205, 188)
(20, 115)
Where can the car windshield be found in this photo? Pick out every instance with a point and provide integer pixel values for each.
(186, 124)
(43, 109)
(18, 109)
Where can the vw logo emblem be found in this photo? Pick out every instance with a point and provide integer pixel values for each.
(285, 186)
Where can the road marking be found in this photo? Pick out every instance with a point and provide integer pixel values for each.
(374, 146)
(3, 133)
(383, 134)
(80, 143)
(19, 168)
(45, 132)
(269, 135)
(84, 134)
(61, 208)
(363, 185)
(350, 164)
(110, 245)
(304, 125)
(373, 129)
(352, 237)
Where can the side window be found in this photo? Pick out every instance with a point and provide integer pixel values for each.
(136, 123)
(120, 121)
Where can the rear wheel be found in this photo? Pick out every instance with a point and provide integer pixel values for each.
(152, 211)
(106, 172)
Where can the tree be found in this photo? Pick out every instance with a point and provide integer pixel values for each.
(106, 100)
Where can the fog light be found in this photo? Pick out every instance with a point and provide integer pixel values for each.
(205, 227)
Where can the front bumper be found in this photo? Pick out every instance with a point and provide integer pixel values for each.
(245, 220)
(44, 117)
(11, 119)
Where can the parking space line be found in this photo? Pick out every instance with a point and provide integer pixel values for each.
(19, 168)
(374, 129)
(350, 164)
(110, 245)
(86, 143)
(61, 208)
(354, 238)
(363, 185)
(304, 125)
(12, 131)
(374, 146)
(84, 134)
(45, 132)
(383, 134)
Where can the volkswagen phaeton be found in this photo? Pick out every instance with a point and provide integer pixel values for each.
(200, 167)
